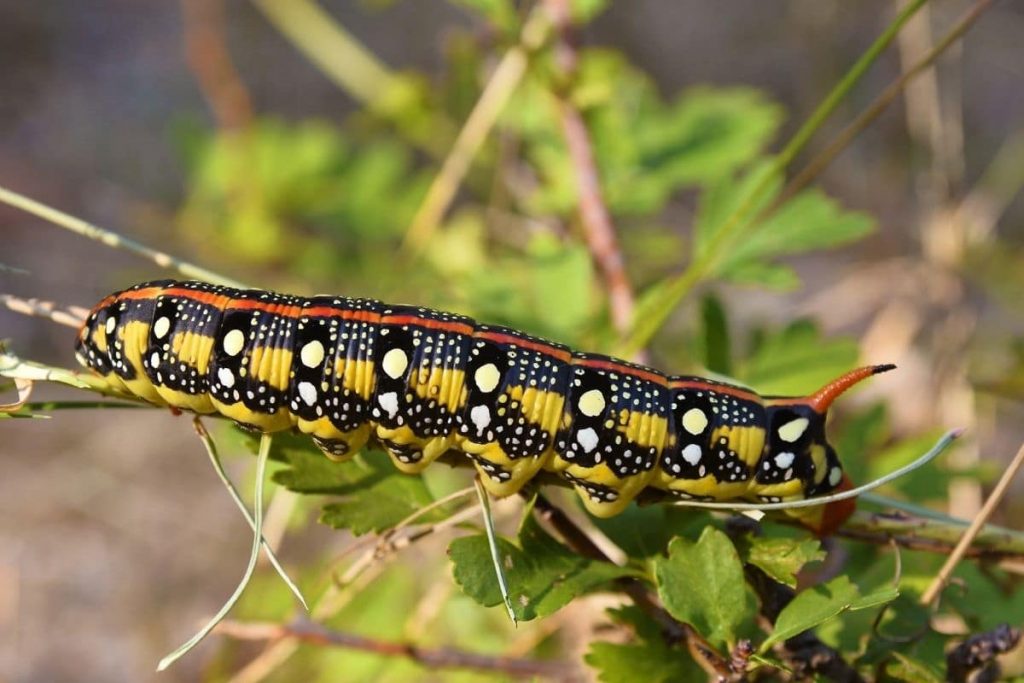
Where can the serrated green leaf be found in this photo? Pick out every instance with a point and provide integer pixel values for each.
(780, 558)
(797, 360)
(542, 574)
(382, 499)
(818, 604)
(808, 221)
(720, 205)
(375, 495)
(702, 584)
(707, 133)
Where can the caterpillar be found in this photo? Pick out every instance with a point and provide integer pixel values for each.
(421, 382)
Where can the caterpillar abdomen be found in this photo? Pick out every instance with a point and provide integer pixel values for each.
(421, 382)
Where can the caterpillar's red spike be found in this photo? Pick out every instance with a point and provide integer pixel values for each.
(822, 398)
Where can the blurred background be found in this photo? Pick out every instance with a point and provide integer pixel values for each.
(298, 147)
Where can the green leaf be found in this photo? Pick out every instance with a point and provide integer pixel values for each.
(375, 495)
(381, 502)
(797, 360)
(646, 531)
(818, 604)
(717, 346)
(807, 222)
(720, 204)
(780, 558)
(647, 659)
(702, 584)
(707, 134)
(543, 575)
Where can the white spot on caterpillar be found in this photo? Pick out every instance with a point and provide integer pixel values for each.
(389, 402)
(481, 417)
(835, 476)
(161, 327)
(793, 430)
(233, 342)
(225, 376)
(784, 460)
(307, 392)
(692, 454)
(395, 362)
(312, 354)
(591, 404)
(487, 378)
(588, 439)
(695, 421)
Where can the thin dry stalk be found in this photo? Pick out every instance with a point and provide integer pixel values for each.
(111, 239)
(976, 525)
(69, 316)
(814, 167)
(431, 658)
(503, 82)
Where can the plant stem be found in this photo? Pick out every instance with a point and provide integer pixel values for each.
(704, 265)
(111, 239)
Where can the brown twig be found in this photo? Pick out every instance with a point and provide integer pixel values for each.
(70, 316)
(814, 167)
(595, 218)
(916, 533)
(434, 658)
(207, 55)
(972, 531)
(675, 632)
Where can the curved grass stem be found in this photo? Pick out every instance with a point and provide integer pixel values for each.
(218, 467)
(492, 543)
(257, 522)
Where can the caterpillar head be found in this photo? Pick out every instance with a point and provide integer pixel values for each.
(796, 440)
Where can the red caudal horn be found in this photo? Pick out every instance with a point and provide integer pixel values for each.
(822, 398)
